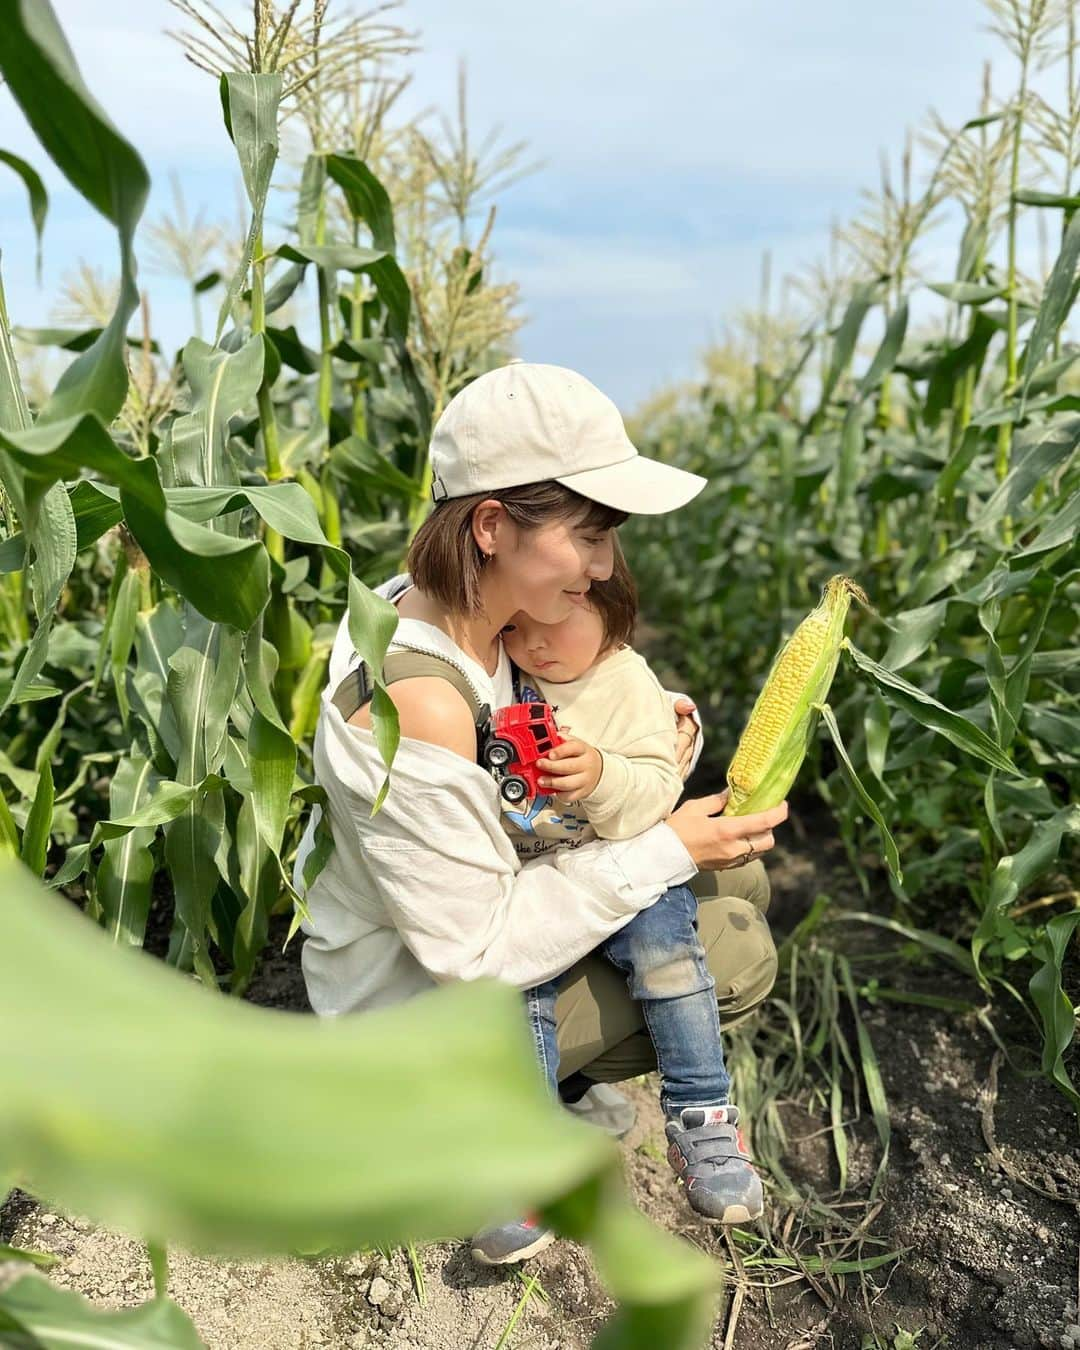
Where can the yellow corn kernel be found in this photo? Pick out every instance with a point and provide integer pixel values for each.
(786, 682)
(773, 744)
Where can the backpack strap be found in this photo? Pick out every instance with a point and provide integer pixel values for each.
(356, 688)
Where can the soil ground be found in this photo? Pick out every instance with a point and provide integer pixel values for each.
(989, 1234)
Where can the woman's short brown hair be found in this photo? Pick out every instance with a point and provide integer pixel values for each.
(444, 560)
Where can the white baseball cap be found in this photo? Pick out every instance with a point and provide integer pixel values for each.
(529, 423)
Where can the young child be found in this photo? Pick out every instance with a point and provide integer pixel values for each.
(613, 776)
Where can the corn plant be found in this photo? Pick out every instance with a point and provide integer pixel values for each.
(964, 537)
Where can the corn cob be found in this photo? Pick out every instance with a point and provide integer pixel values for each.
(774, 741)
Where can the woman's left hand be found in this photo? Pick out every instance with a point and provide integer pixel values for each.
(686, 734)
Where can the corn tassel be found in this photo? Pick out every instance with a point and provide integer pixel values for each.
(774, 741)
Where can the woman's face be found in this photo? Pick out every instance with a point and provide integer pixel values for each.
(548, 570)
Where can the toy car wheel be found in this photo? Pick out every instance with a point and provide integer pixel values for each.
(515, 789)
(498, 754)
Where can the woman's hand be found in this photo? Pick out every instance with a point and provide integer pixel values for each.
(717, 842)
(686, 734)
(572, 769)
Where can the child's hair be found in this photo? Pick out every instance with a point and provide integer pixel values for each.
(616, 601)
(444, 560)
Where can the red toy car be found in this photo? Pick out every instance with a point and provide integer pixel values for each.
(520, 735)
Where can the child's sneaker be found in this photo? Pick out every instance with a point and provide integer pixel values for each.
(507, 1242)
(706, 1149)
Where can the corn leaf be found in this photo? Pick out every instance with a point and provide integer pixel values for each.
(886, 354)
(226, 579)
(892, 853)
(926, 710)
(1017, 871)
(38, 1315)
(126, 872)
(1056, 302)
(368, 200)
(39, 198)
(100, 164)
(196, 1079)
(250, 106)
(35, 841)
(1054, 1005)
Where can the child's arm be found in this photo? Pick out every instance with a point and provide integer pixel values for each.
(621, 794)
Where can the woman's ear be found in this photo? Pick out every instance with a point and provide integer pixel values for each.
(488, 518)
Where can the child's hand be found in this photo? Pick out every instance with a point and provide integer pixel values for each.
(572, 770)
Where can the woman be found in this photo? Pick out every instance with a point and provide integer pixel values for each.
(533, 472)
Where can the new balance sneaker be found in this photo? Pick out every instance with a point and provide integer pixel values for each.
(507, 1242)
(706, 1150)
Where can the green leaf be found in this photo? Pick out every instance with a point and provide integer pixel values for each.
(39, 198)
(1029, 197)
(1057, 299)
(368, 200)
(226, 579)
(222, 384)
(74, 339)
(886, 354)
(934, 942)
(846, 337)
(1054, 1005)
(928, 712)
(1018, 870)
(126, 872)
(876, 728)
(940, 575)
(913, 632)
(273, 764)
(9, 832)
(966, 292)
(104, 1037)
(121, 631)
(358, 462)
(292, 350)
(381, 266)
(35, 842)
(1061, 528)
(52, 1318)
(250, 106)
(955, 363)
(892, 854)
(168, 801)
(41, 1259)
(41, 73)
(852, 445)
(50, 528)
(1037, 452)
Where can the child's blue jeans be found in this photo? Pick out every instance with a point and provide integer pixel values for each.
(666, 972)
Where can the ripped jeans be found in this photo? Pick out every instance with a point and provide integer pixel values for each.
(666, 972)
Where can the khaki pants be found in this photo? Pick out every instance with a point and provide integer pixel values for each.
(601, 1032)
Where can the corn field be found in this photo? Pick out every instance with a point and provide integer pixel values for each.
(179, 540)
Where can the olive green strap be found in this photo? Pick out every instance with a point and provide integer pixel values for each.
(355, 689)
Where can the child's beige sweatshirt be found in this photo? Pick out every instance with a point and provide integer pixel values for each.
(620, 707)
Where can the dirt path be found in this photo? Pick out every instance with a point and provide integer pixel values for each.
(990, 1263)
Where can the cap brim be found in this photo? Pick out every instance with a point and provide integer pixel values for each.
(638, 485)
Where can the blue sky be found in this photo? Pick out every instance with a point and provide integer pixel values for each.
(680, 140)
